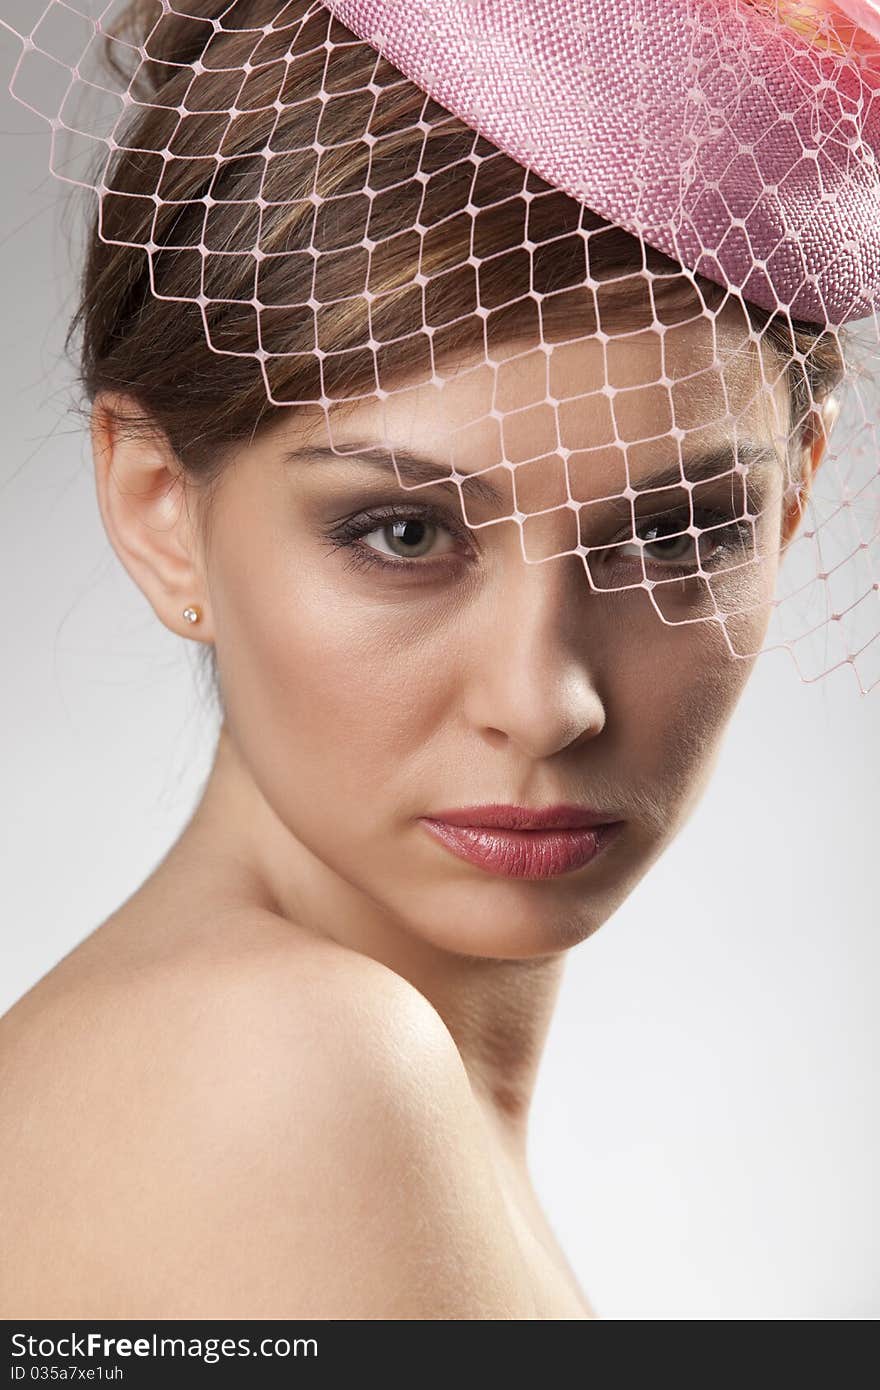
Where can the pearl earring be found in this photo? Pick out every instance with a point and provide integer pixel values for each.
(192, 615)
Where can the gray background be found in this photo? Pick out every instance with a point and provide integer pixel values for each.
(705, 1135)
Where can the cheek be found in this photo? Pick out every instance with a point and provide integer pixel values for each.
(675, 688)
(325, 693)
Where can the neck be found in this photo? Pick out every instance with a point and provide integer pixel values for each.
(497, 1011)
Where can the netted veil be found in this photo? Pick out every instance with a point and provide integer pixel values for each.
(349, 200)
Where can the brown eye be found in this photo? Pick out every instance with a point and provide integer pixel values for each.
(408, 538)
(664, 543)
(674, 549)
(391, 537)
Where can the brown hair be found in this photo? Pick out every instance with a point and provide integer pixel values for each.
(138, 339)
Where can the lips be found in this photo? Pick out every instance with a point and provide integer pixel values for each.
(523, 852)
(564, 815)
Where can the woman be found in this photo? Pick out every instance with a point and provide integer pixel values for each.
(293, 1070)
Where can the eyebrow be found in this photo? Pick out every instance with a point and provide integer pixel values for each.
(710, 463)
(418, 468)
(412, 467)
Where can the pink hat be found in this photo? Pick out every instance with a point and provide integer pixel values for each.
(744, 147)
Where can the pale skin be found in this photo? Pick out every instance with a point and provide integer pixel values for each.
(291, 1075)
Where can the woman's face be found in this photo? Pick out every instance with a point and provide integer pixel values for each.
(381, 660)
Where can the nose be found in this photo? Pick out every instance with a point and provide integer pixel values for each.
(531, 680)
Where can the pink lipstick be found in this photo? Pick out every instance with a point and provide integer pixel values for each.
(522, 841)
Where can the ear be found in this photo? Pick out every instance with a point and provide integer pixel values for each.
(814, 441)
(146, 509)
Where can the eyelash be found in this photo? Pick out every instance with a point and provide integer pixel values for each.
(348, 536)
(350, 532)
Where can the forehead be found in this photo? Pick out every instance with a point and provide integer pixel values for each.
(598, 411)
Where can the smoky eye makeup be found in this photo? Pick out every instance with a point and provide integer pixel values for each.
(419, 533)
(412, 541)
(681, 533)
(406, 536)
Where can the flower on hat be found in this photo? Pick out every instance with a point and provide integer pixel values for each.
(849, 28)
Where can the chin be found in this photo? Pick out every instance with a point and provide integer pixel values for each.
(525, 923)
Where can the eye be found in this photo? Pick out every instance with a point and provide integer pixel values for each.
(674, 548)
(397, 539)
(665, 543)
(406, 538)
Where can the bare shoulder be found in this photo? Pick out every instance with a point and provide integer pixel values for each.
(277, 1128)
